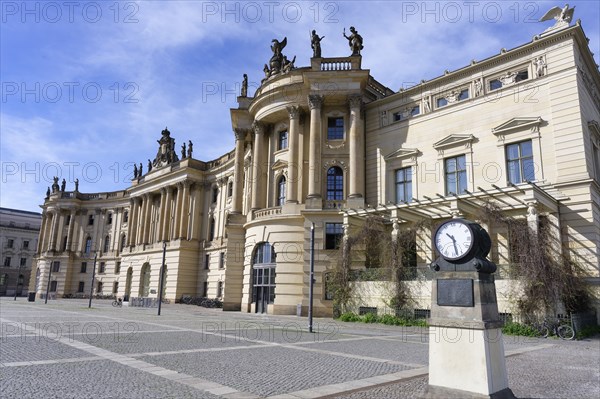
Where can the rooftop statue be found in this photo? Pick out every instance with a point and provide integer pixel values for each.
(315, 44)
(355, 41)
(562, 16)
(278, 62)
(244, 92)
(166, 151)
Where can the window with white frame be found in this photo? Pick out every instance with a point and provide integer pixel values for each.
(455, 170)
(519, 162)
(403, 184)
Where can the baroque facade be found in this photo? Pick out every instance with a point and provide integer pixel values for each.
(19, 231)
(328, 144)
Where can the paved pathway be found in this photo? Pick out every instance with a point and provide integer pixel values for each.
(65, 350)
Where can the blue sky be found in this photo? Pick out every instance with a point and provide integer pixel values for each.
(88, 86)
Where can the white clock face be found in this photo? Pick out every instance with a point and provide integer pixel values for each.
(453, 240)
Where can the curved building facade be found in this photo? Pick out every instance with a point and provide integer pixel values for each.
(328, 144)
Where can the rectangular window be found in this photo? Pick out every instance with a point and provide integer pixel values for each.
(464, 94)
(125, 217)
(102, 267)
(282, 141)
(215, 195)
(221, 260)
(81, 286)
(519, 162)
(220, 289)
(83, 267)
(456, 175)
(495, 84)
(441, 102)
(117, 267)
(335, 128)
(26, 244)
(230, 189)
(23, 261)
(55, 266)
(90, 220)
(10, 243)
(205, 289)
(207, 261)
(68, 221)
(508, 79)
(334, 232)
(99, 287)
(115, 287)
(53, 286)
(109, 218)
(404, 185)
(7, 261)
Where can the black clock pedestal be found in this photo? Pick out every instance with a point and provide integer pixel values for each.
(466, 349)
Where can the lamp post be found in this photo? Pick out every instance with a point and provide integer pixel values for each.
(312, 278)
(93, 277)
(48, 285)
(162, 276)
(17, 286)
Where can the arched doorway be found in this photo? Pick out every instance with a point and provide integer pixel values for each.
(145, 281)
(263, 276)
(128, 284)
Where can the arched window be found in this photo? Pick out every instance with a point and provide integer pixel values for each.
(281, 191)
(88, 245)
(211, 229)
(123, 241)
(106, 244)
(335, 183)
(263, 276)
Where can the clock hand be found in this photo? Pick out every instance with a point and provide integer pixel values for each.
(452, 237)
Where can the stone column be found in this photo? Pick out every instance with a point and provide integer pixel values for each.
(177, 221)
(532, 216)
(161, 215)
(70, 230)
(185, 213)
(147, 218)
(166, 225)
(197, 213)
(315, 102)
(54, 231)
(293, 155)
(357, 163)
(131, 222)
(258, 170)
(238, 178)
(43, 228)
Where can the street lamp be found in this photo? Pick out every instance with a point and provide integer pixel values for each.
(162, 276)
(93, 277)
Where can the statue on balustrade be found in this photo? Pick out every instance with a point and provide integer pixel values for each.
(355, 41)
(166, 150)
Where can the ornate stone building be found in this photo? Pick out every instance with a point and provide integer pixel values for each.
(328, 144)
(19, 232)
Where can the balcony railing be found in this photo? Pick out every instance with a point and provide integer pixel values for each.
(266, 213)
(336, 64)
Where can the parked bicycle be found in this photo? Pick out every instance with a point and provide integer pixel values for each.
(561, 328)
(118, 302)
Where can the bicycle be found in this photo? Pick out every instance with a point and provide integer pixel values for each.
(561, 330)
(118, 302)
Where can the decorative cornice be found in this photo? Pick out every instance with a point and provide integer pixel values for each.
(403, 153)
(335, 162)
(454, 140)
(519, 123)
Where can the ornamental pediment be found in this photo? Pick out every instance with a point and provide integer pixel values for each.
(454, 140)
(517, 124)
(279, 164)
(403, 153)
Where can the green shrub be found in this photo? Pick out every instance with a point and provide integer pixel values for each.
(370, 318)
(349, 316)
(512, 328)
(389, 320)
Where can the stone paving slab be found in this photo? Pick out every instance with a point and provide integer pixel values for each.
(34, 348)
(352, 360)
(98, 379)
(269, 371)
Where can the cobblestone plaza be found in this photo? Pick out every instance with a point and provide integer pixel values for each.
(65, 350)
